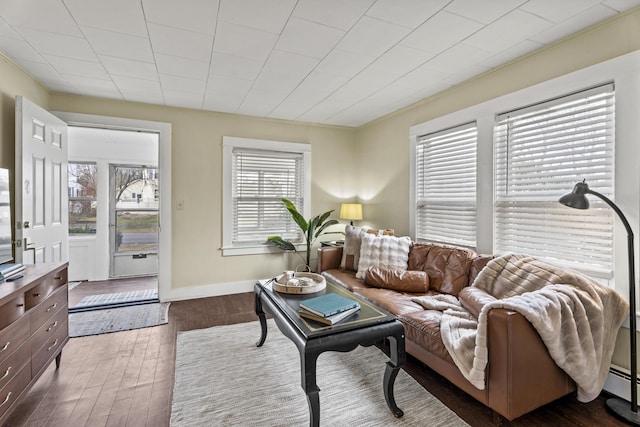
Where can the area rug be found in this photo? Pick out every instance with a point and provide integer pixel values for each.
(223, 379)
(118, 298)
(117, 319)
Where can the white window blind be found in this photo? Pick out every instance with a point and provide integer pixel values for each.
(446, 186)
(541, 152)
(260, 179)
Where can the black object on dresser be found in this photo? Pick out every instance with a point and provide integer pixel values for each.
(33, 329)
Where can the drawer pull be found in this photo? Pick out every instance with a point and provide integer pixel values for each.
(6, 374)
(52, 307)
(58, 277)
(53, 325)
(6, 399)
(19, 305)
(55, 343)
(36, 295)
(6, 346)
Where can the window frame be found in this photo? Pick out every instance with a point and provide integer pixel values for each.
(229, 248)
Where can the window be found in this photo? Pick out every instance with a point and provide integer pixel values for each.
(257, 175)
(541, 152)
(446, 186)
(82, 179)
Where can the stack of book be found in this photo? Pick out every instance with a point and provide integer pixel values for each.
(328, 309)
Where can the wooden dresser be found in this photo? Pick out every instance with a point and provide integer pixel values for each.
(33, 329)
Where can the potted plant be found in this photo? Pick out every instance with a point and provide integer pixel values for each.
(311, 230)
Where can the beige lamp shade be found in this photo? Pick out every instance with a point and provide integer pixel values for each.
(351, 211)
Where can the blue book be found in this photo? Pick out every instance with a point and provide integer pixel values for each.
(328, 304)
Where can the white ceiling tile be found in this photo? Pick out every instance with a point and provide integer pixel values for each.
(441, 32)
(221, 104)
(484, 12)
(557, 11)
(260, 102)
(120, 16)
(58, 44)
(120, 45)
(95, 87)
(409, 13)
(264, 15)
(421, 77)
(517, 24)
(182, 43)
(42, 71)
(6, 32)
(57, 84)
(128, 67)
(133, 84)
(183, 67)
(50, 16)
(621, 5)
(181, 84)
(243, 42)
(334, 13)
(305, 95)
(283, 71)
(466, 74)
(569, 26)
(225, 93)
(308, 38)
(322, 82)
(223, 64)
(20, 50)
(400, 60)
(182, 99)
(290, 110)
(372, 37)
(325, 109)
(77, 67)
(343, 63)
(523, 48)
(194, 15)
(145, 96)
(459, 57)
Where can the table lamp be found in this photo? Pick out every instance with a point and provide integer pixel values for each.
(577, 199)
(351, 211)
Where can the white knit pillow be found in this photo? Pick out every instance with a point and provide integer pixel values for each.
(383, 251)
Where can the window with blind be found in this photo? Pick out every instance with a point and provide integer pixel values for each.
(446, 186)
(258, 175)
(541, 152)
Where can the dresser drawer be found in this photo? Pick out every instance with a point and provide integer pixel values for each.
(43, 312)
(51, 347)
(10, 311)
(49, 328)
(46, 285)
(15, 387)
(10, 367)
(12, 336)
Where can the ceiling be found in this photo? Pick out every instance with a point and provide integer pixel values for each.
(342, 62)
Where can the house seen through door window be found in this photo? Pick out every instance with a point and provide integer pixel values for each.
(82, 185)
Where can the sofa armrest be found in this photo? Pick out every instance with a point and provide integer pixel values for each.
(521, 375)
(329, 258)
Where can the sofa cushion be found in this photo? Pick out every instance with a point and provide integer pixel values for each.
(345, 278)
(351, 248)
(383, 251)
(394, 302)
(473, 299)
(403, 281)
(447, 266)
(423, 328)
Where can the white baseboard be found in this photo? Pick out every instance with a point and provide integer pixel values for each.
(204, 291)
(618, 382)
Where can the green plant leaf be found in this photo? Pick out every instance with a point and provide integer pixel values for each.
(281, 243)
(297, 216)
(322, 228)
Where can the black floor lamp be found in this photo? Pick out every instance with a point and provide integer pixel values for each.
(577, 199)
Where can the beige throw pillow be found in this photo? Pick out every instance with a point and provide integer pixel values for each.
(383, 251)
(351, 248)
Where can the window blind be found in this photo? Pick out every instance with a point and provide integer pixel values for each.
(541, 152)
(446, 186)
(261, 178)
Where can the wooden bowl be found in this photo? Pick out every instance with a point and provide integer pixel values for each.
(315, 284)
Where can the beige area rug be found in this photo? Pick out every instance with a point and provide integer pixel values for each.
(223, 379)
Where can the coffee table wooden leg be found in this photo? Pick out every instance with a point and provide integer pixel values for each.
(308, 371)
(397, 358)
(263, 319)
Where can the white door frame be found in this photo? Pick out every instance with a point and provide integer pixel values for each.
(164, 165)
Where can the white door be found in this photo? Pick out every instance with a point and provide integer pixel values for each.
(41, 185)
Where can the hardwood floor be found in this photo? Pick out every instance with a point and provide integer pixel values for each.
(126, 378)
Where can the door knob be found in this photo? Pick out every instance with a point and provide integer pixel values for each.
(27, 224)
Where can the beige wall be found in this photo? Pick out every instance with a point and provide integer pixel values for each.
(197, 180)
(383, 145)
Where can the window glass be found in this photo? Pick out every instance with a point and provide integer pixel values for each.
(82, 185)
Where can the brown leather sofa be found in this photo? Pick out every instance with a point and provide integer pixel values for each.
(520, 375)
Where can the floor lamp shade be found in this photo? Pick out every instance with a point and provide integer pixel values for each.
(351, 211)
(578, 199)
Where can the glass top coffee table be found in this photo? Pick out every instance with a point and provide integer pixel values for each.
(366, 327)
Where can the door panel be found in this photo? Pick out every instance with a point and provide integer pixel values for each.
(41, 185)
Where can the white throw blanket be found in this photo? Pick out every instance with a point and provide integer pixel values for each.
(576, 317)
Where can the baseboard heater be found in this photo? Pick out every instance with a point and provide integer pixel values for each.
(617, 382)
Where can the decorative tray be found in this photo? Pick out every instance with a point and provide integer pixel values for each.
(301, 283)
